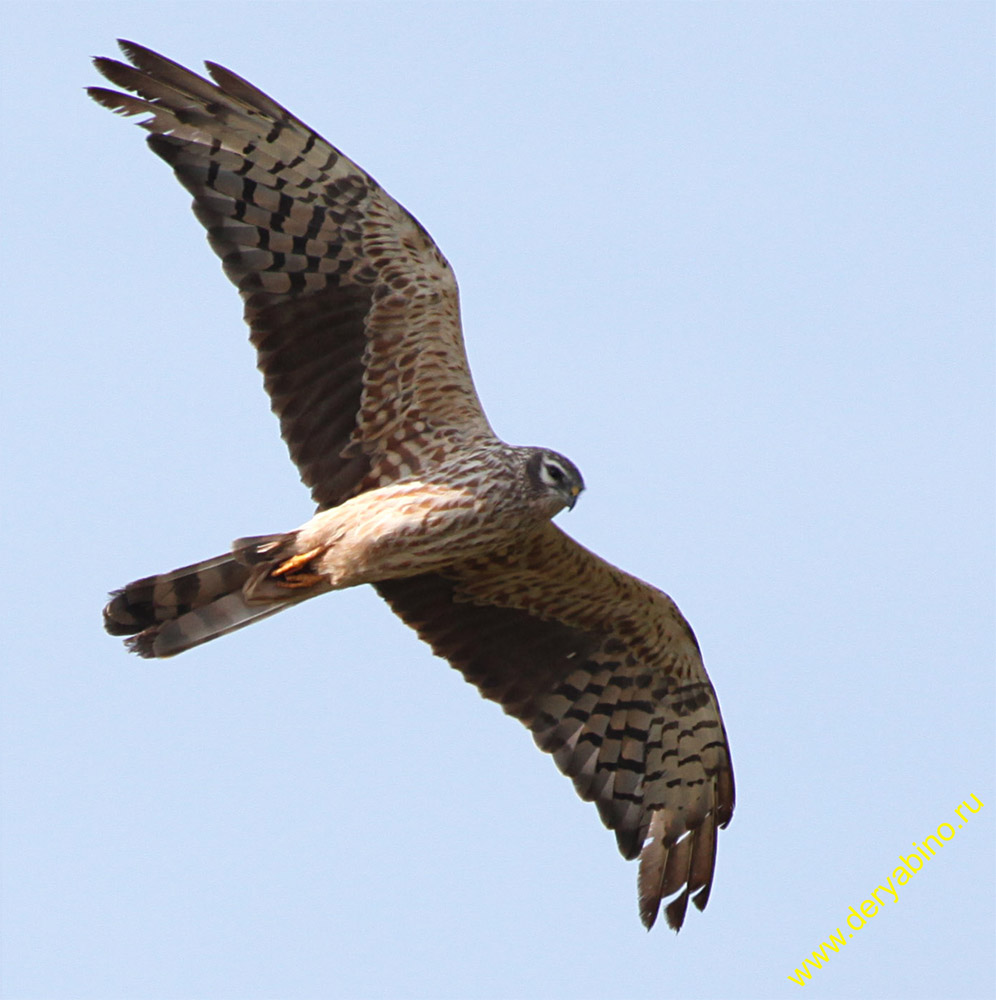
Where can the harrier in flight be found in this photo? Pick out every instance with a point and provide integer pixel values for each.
(354, 315)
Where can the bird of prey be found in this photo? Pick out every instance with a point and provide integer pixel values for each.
(354, 315)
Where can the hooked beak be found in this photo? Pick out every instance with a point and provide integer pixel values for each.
(575, 492)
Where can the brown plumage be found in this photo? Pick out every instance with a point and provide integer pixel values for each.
(355, 317)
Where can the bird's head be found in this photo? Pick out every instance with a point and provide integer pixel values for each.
(555, 481)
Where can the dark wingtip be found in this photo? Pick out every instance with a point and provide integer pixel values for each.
(675, 911)
(113, 100)
(132, 50)
(650, 904)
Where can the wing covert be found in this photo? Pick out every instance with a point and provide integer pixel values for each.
(352, 308)
(606, 673)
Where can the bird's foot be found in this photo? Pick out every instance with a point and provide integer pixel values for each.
(287, 573)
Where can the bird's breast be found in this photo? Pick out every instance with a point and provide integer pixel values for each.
(407, 529)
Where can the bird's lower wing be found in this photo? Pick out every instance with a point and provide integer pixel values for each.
(607, 675)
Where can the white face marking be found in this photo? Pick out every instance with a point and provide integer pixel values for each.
(560, 478)
(553, 473)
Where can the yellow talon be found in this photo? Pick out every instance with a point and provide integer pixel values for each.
(296, 562)
(297, 581)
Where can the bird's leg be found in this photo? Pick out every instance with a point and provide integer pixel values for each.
(294, 580)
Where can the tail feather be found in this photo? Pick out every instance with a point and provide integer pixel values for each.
(160, 598)
(166, 614)
(224, 615)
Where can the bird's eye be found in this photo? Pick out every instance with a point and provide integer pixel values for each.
(555, 472)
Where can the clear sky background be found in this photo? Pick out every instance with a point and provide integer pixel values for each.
(737, 262)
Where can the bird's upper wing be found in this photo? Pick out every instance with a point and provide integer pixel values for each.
(352, 308)
(608, 676)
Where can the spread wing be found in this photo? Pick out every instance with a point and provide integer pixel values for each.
(608, 676)
(353, 310)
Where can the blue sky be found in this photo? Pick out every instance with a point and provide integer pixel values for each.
(736, 261)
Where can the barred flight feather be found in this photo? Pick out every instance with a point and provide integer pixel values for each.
(633, 720)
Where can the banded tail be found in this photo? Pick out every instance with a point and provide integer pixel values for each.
(167, 614)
